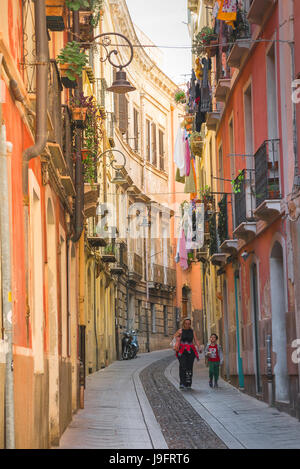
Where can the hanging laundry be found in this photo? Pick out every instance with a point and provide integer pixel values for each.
(190, 185)
(179, 178)
(187, 156)
(228, 11)
(183, 252)
(216, 8)
(179, 150)
(205, 90)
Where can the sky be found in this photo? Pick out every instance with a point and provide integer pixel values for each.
(163, 21)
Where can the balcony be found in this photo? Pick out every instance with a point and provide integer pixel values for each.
(212, 120)
(241, 39)
(267, 181)
(222, 89)
(258, 9)
(171, 278)
(91, 195)
(245, 225)
(229, 246)
(120, 265)
(108, 253)
(135, 267)
(156, 276)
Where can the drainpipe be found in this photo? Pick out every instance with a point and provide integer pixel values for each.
(79, 184)
(6, 292)
(42, 58)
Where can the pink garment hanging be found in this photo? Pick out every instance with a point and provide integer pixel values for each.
(187, 158)
(183, 252)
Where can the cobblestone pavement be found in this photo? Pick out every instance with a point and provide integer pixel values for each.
(181, 425)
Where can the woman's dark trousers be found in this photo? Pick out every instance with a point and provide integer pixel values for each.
(186, 362)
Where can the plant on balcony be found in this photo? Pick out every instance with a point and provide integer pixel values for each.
(109, 250)
(95, 6)
(273, 190)
(180, 97)
(203, 40)
(222, 220)
(75, 5)
(213, 241)
(72, 59)
(237, 182)
(92, 137)
(206, 196)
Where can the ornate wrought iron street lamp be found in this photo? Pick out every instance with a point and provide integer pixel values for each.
(116, 164)
(120, 85)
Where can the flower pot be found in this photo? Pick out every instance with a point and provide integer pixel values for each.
(84, 153)
(78, 116)
(64, 79)
(213, 47)
(54, 15)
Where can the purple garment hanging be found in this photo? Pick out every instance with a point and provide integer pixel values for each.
(183, 252)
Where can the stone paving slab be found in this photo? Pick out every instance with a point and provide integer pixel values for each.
(117, 414)
(241, 421)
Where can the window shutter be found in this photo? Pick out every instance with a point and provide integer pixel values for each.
(136, 129)
(148, 140)
(161, 151)
(154, 151)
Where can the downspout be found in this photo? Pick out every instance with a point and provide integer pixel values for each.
(95, 321)
(42, 59)
(6, 292)
(295, 134)
(79, 184)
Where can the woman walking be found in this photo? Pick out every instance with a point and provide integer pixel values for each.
(186, 353)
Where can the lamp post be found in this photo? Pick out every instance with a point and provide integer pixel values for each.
(120, 85)
(115, 164)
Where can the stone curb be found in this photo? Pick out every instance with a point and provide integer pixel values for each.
(151, 423)
(230, 441)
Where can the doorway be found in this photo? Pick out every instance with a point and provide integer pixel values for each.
(279, 323)
(255, 322)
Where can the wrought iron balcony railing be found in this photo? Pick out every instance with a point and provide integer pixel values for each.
(240, 201)
(267, 175)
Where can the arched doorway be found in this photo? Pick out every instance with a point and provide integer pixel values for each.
(279, 340)
(53, 356)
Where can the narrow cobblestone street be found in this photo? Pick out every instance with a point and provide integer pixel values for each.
(135, 405)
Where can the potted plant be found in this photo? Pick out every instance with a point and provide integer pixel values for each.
(109, 253)
(54, 15)
(273, 190)
(93, 6)
(72, 60)
(180, 97)
(75, 5)
(203, 39)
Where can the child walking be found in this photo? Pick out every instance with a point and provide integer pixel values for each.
(213, 352)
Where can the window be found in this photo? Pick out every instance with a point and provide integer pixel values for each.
(148, 140)
(136, 129)
(154, 149)
(140, 315)
(231, 148)
(161, 150)
(165, 320)
(153, 318)
(221, 172)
